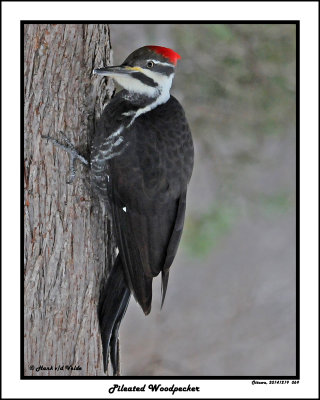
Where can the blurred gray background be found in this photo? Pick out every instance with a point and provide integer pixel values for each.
(230, 305)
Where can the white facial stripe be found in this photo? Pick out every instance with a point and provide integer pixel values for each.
(161, 63)
(161, 93)
(134, 85)
(162, 98)
(159, 78)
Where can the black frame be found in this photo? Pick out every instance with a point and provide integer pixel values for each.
(193, 377)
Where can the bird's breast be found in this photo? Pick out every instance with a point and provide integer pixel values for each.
(157, 162)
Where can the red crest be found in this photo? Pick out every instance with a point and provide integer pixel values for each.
(167, 53)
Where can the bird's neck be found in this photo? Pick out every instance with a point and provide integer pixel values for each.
(142, 104)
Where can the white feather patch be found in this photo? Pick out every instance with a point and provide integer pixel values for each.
(165, 83)
(134, 85)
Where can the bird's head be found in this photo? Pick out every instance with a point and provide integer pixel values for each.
(148, 71)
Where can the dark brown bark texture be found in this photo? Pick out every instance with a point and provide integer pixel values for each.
(68, 241)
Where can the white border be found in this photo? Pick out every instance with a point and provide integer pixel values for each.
(13, 12)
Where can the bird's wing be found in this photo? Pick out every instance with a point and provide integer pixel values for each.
(173, 244)
(146, 244)
(148, 193)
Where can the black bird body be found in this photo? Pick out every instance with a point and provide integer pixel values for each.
(141, 162)
(145, 185)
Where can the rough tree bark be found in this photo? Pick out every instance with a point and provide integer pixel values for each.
(68, 241)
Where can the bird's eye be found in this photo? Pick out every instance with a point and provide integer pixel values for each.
(150, 64)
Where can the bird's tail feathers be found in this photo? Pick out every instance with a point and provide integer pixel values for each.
(114, 299)
(164, 284)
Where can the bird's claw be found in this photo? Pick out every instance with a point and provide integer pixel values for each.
(71, 150)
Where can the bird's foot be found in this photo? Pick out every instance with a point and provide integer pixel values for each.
(71, 150)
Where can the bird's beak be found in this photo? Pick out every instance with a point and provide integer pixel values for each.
(117, 70)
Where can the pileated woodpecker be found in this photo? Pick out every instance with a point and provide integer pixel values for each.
(145, 183)
(141, 162)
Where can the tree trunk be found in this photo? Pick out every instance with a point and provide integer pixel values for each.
(68, 241)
